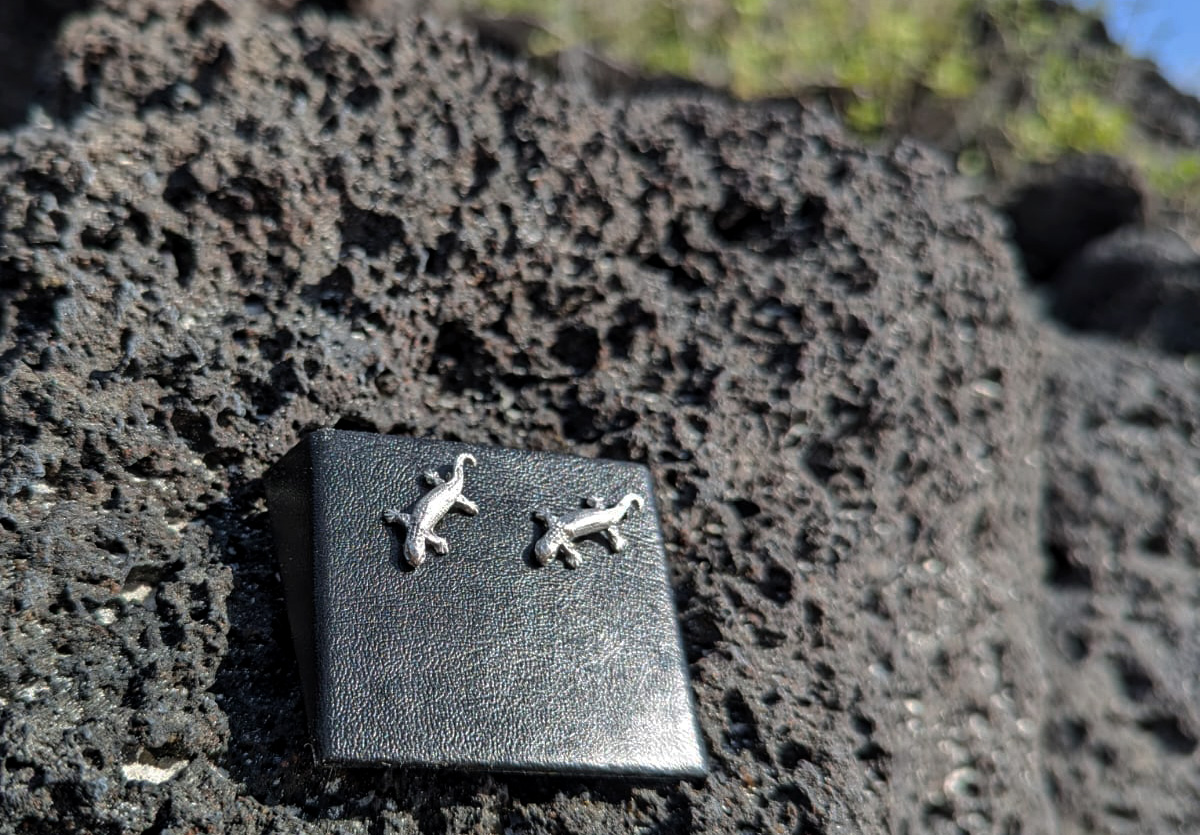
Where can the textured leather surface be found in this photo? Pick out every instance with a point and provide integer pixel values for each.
(481, 658)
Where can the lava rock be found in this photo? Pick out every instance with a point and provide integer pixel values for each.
(1139, 285)
(236, 227)
(1065, 205)
(1122, 545)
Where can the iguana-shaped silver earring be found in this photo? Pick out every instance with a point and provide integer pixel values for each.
(562, 531)
(419, 523)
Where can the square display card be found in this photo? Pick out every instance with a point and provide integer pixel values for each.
(543, 639)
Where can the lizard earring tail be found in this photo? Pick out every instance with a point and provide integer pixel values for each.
(419, 522)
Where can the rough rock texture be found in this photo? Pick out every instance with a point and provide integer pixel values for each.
(1123, 610)
(241, 227)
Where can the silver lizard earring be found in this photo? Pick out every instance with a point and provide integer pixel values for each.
(562, 531)
(419, 523)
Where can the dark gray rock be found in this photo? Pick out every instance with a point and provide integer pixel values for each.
(1123, 548)
(1139, 285)
(241, 227)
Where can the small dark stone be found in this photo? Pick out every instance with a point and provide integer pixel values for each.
(1139, 285)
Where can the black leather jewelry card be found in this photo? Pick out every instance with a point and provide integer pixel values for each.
(481, 608)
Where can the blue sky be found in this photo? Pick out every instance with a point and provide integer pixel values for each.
(1166, 30)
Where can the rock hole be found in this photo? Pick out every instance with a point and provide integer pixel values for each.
(195, 428)
(1146, 417)
(140, 224)
(205, 15)
(113, 546)
(335, 295)
(1170, 733)
(793, 794)
(486, 164)
(356, 423)
(769, 638)
(701, 634)
(439, 259)
(791, 753)
(243, 196)
(784, 358)
(182, 189)
(1156, 543)
(330, 7)
(856, 282)
(577, 346)
(769, 230)
(630, 318)
(1075, 646)
(183, 254)
(863, 725)
(106, 239)
(363, 97)
(1067, 735)
(777, 584)
(820, 461)
(254, 305)
(1122, 812)
(746, 508)
(209, 73)
(581, 422)
(672, 260)
(871, 751)
(741, 730)
(1133, 679)
(683, 277)
(739, 221)
(1063, 570)
(461, 359)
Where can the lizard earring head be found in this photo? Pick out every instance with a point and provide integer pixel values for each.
(444, 496)
(544, 550)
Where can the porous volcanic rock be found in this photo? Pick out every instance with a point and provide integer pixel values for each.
(235, 227)
(1123, 540)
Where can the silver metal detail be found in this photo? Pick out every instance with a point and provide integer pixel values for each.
(562, 531)
(419, 523)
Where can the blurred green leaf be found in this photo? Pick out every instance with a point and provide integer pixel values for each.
(890, 56)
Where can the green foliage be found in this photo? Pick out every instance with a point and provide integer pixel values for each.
(884, 51)
(1064, 108)
(1022, 78)
(1066, 114)
(1174, 176)
(879, 50)
(1080, 121)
